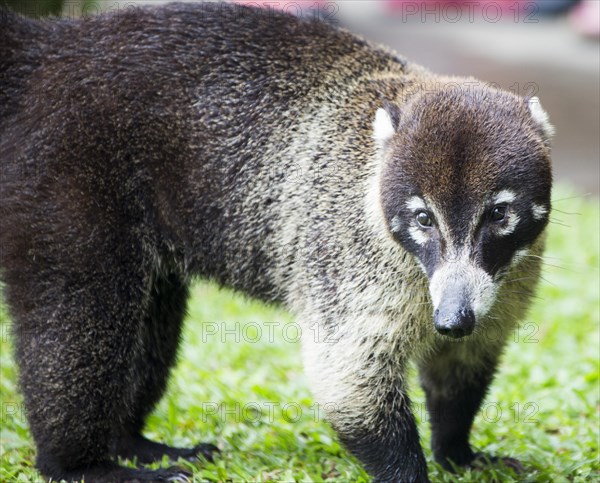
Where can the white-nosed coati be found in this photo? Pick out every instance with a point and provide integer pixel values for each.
(141, 149)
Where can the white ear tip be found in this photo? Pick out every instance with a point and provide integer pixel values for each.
(383, 128)
(540, 116)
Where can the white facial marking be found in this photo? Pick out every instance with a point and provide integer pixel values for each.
(395, 225)
(520, 255)
(540, 116)
(474, 223)
(511, 224)
(442, 226)
(476, 283)
(504, 196)
(416, 204)
(418, 235)
(538, 211)
(383, 128)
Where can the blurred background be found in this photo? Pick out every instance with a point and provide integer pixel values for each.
(548, 48)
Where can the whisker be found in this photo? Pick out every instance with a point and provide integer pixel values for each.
(546, 264)
(566, 212)
(492, 317)
(559, 223)
(572, 197)
(534, 277)
(572, 268)
(521, 279)
(529, 294)
(541, 257)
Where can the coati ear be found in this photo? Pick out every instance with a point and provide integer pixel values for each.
(540, 117)
(385, 122)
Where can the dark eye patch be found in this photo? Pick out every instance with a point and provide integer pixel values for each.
(496, 249)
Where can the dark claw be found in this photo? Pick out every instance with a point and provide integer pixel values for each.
(172, 474)
(179, 475)
(482, 460)
(204, 450)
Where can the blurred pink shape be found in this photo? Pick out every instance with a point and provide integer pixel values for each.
(283, 4)
(585, 17)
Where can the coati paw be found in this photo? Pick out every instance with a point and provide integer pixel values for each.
(204, 450)
(145, 451)
(174, 474)
(200, 451)
(110, 472)
(462, 458)
(482, 460)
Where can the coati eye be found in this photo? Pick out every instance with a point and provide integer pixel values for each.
(498, 213)
(424, 220)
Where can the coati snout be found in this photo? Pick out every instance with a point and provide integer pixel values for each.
(454, 316)
(144, 148)
(465, 189)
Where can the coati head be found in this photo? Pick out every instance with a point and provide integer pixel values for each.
(465, 182)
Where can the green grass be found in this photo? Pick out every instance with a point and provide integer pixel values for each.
(251, 398)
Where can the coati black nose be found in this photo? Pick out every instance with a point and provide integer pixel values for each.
(454, 323)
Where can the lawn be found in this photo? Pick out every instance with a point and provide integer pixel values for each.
(239, 384)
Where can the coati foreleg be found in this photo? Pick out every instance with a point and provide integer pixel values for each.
(160, 339)
(357, 379)
(455, 380)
